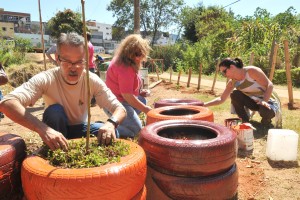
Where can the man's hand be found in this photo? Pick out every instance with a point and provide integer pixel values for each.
(55, 140)
(106, 134)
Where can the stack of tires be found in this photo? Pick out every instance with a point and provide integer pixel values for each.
(12, 153)
(190, 159)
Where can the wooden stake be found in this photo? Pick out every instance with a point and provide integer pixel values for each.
(179, 74)
(171, 74)
(216, 75)
(189, 77)
(87, 78)
(157, 72)
(274, 56)
(288, 73)
(199, 76)
(251, 58)
(42, 35)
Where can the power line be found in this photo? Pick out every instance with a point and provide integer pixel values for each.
(231, 3)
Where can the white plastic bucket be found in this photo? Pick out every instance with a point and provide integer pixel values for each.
(245, 136)
(282, 145)
(145, 79)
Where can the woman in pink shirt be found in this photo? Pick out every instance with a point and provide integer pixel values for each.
(124, 81)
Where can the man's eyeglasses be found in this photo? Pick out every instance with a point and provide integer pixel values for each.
(65, 63)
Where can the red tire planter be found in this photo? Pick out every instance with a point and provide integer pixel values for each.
(218, 186)
(184, 112)
(211, 148)
(123, 180)
(177, 102)
(12, 153)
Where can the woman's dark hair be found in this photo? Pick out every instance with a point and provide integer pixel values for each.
(88, 36)
(228, 61)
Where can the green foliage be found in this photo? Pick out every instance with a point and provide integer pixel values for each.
(220, 35)
(169, 53)
(77, 157)
(154, 15)
(14, 52)
(280, 77)
(65, 22)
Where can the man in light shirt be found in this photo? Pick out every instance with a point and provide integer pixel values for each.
(64, 91)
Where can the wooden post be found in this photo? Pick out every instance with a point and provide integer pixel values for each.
(157, 72)
(216, 75)
(189, 78)
(199, 76)
(42, 34)
(171, 74)
(179, 74)
(251, 58)
(288, 73)
(273, 62)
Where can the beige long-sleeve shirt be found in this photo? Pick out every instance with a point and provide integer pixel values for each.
(54, 90)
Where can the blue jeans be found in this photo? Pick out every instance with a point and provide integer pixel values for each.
(132, 124)
(56, 118)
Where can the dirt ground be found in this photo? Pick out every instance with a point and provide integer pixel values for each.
(259, 178)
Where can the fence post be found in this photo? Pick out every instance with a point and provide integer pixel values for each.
(199, 76)
(288, 73)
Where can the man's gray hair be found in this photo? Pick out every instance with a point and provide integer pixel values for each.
(72, 39)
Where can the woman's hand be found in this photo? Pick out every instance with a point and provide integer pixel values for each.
(265, 104)
(145, 92)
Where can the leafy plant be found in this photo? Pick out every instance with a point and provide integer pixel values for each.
(77, 157)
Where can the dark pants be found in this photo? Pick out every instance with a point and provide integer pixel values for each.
(56, 118)
(239, 101)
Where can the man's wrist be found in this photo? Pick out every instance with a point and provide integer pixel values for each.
(114, 121)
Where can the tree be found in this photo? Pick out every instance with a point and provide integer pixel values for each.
(154, 15)
(64, 22)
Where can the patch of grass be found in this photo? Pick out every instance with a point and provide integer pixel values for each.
(77, 157)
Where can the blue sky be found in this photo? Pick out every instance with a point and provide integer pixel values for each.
(96, 9)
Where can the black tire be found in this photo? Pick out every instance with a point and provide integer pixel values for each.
(177, 102)
(210, 148)
(12, 154)
(219, 186)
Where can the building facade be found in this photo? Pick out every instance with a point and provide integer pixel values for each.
(7, 30)
(20, 20)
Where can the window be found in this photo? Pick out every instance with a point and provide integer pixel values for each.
(3, 28)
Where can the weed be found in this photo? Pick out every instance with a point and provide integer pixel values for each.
(77, 157)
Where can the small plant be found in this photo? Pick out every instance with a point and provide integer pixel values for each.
(77, 157)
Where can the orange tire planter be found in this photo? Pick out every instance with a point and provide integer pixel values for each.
(123, 180)
(184, 112)
(12, 153)
(213, 149)
(177, 102)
